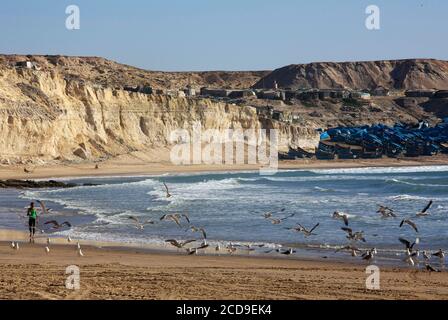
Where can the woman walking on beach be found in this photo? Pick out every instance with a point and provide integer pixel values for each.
(32, 214)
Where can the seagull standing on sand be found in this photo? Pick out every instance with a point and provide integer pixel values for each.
(69, 239)
(13, 245)
(425, 212)
(431, 268)
(17, 246)
(341, 215)
(369, 254)
(80, 252)
(47, 249)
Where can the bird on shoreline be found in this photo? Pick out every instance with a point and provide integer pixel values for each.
(408, 244)
(57, 225)
(425, 212)
(304, 230)
(47, 249)
(341, 215)
(168, 194)
(369, 254)
(439, 254)
(355, 236)
(352, 249)
(386, 212)
(140, 225)
(80, 253)
(431, 268)
(410, 223)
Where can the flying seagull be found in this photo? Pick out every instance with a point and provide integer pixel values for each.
(179, 244)
(408, 244)
(168, 194)
(341, 215)
(175, 217)
(140, 225)
(304, 230)
(425, 212)
(440, 254)
(196, 229)
(356, 236)
(410, 223)
(386, 212)
(280, 220)
(56, 224)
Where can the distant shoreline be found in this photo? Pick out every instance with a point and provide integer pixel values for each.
(127, 168)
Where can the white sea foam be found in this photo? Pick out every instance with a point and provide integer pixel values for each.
(376, 170)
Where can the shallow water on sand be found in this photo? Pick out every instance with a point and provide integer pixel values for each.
(230, 206)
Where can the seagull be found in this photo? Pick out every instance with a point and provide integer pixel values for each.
(48, 240)
(305, 231)
(341, 215)
(353, 250)
(196, 229)
(56, 224)
(42, 205)
(440, 254)
(78, 246)
(192, 251)
(288, 252)
(175, 217)
(17, 246)
(409, 222)
(47, 249)
(408, 259)
(424, 212)
(269, 214)
(140, 225)
(386, 212)
(179, 244)
(69, 239)
(369, 254)
(218, 247)
(80, 252)
(359, 235)
(13, 245)
(426, 256)
(431, 268)
(168, 194)
(280, 220)
(408, 244)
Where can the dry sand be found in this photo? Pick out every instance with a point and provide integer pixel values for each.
(133, 273)
(131, 165)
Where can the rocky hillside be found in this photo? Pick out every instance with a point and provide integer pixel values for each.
(111, 74)
(47, 117)
(391, 74)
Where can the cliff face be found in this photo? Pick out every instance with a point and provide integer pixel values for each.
(45, 118)
(393, 74)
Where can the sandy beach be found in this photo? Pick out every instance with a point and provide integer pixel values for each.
(127, 165)
(116, 271)
(113, 272)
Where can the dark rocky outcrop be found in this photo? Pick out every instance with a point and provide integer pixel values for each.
(31, 184)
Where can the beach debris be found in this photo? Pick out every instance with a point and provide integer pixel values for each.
(57, 225)
(179, 244)
(304, 230)
(410, 223)
(168, 194)
(341, 215)
(140, 225)
(175, 218)
(354, 236)
(425, 212)
(386, 212)
(196, 229)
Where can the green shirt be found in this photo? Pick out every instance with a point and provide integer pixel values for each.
(32, 213)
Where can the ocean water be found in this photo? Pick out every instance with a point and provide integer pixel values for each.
(230, 206)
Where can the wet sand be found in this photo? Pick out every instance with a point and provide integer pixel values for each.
(134, 273)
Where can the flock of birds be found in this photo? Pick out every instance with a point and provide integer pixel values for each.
(182, 220)
(411, 253)
(53, 225)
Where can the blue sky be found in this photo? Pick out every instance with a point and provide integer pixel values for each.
(181, 35)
